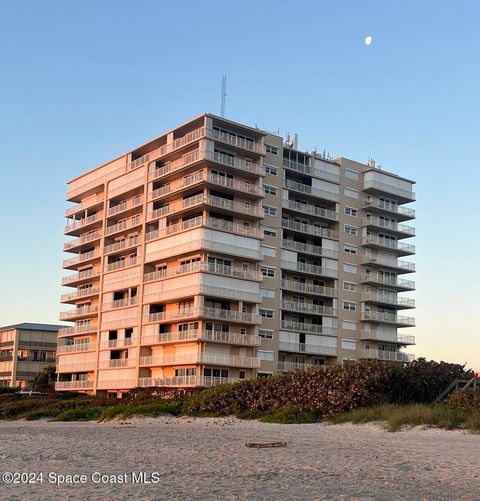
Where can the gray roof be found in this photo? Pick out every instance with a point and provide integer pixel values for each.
(32, 327)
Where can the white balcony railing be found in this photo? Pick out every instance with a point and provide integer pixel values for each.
(180, 381)
(115, 363)
(76, 348)
(388, 244)
(309, 229)
(383, 297)
(81, 258)
(310, 209)
(78, 294)
(390, 281)
(198, 335)
(308, 328)
(118, 343)
(85, 204)
(84, 239)
(388, 262)
(387, 337)
(389, 318)
(77, 329)
(404, 212)
(81, 275)
(64, 367)
(310, 170)
(201, 358)
(387, 188)
(310, 190)
(309, 288)
(313, 349)
(206, 312)
(125, 205)
(309, 249)
(79, 312)
(81, 223)
(234, 140)
(122, 244)
(310, 269)
(73, 385)
(388, 225)
(308, 308)
(393, 356)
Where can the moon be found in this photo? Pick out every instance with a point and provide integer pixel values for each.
(368, 40)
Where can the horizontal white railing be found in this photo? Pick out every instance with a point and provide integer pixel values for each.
(310, 190)
(89, 185)
(79, 312)
(89, 237)
(309, 249)
(76, 348)
(81, 258)
(392, 262)
(310, 209)
(388, 225)
(295, 366)
(78, 294)
(64, 366)
(123, 244)
(203, 311)
(309, 268)
(118, 265)
(405, 212)
(81, 275)
(313, 309)
(314, 349)
(387, 337)
(73, 385)
(310, 229)
(387, 188)
(389, 244)
(81, 223)
(123, 206)
(118, 343)
(85, 204)
(186, 381)
(77, 329)
(311, 170)
(201, 358)
(202, 266)
(123, 225)
(379, 316)
(120, 303)
(309, 288)
(381, 297)
(391, 281)
(115, 363)
(308, 328)
(198, 335)
(393, 356)
(234, 140)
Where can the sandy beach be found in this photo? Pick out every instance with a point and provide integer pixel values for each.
(207, 459)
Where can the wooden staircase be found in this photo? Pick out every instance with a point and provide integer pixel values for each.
(458, 384)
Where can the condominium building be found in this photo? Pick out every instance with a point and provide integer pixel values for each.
(218, 252)
(25, 350)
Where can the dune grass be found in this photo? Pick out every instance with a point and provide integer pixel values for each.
(397, 417)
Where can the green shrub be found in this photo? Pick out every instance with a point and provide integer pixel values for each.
(153, 409)
(290, 414)
(467, 400)
(80, 414)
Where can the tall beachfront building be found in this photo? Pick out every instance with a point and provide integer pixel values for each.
(218, 252)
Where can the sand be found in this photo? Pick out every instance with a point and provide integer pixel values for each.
(207, 459)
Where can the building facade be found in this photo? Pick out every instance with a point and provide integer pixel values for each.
(216, 253)
(25, 350)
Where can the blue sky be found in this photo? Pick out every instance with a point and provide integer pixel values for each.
(85, 81)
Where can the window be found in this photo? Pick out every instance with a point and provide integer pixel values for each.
(349, 286)
(273, 150)
(269, 232)
(185, 372)
(215, 372)
(264, 313)
(350, 230)
(350, 249)
(269, 211)
(269, 169)
(348, 305)
(348, 192)
(347, 344)
(349, 326)
(266, 271)
(352, 174)
(241, 374)
(350, 211)
(265, 334)
(265, 355)
(270, 190)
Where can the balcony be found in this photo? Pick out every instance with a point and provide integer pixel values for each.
(400, 230)
(77, 330)
(74, 194)
(308, 308)
(386, 337)
(308, 328)
(392, 356)
(387, 262)
(205, 312)
(317, 290)
(312, 349)
(306, 189)
(128, 243)
(391, 299)
(309, 269)
(81, 276)
(295, 366)
(180, 381)
(387, 318)
(117, 384)
(131, 203)
(394, 282)
(201, 358)
(84, 311)
(205, 336)
(399, 248)
(79, 294)
(381, 206)
(76, 348)
(120, 303)
(376, 186)
(176, 165)
(119, 323)
(311, 170)
(311, 210)
(64, 367)
(73, 385)
(85, 204)
(234, 140)
(117, 343)
(120, 265)
(204, 267)
(123, 225)
(81, 258)
(207, 222)
(83, 240)
(79, 225)
(314, 250)
(116, 363)
(309, 229)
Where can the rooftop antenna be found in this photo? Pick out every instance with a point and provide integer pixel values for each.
(224, 95)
